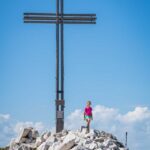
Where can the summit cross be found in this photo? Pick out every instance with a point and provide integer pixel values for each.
(59, 18)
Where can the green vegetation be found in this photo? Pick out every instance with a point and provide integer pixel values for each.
(6, 148)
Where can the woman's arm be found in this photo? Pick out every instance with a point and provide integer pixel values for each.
(84, 114)
(92, 116)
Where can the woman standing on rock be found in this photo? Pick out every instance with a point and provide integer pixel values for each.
(88, 116)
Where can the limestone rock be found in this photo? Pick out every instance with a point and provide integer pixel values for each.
(39, 141)
(27, 135)
(46, 135)
(68, 142)
(29, 139)
(44, 146)
(22, 135)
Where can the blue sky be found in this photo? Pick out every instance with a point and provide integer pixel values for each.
(107, 63)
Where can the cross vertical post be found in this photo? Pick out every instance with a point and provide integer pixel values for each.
(59, 18)
(60, 68)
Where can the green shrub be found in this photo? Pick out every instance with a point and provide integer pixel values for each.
(6, 148)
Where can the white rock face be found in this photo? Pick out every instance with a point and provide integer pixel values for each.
(29, 139)
(68, 142)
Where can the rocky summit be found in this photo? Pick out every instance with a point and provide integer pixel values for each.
(30, 139)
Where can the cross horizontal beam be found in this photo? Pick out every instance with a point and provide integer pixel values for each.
(64, 20)
(61, 22)
(60, 19)
(53, 14)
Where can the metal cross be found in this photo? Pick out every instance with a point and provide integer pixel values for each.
(59, 18)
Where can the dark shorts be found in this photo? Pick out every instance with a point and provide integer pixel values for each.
(88, 117)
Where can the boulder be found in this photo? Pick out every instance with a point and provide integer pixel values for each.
(92, 146)
(27, 135)
(35, 134)
(68, 142)
(23, 135)
(46, 135)
(44, 146)
(39, 141)
(13, 145)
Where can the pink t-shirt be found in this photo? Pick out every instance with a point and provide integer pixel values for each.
(88, 111)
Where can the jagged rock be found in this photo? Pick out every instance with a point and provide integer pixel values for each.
(27, 135)
(78, 147)
(64, 132)
(39, 141)
(29, 139)
(22, 135)
(35, 134)
(113, 146)
(52, 139)
(92, 146)
(68, 142)
(55, 146)
(23, 147)
(44, 146)
(46, 135)
(100, 139)
(26, 146)
(97, 133)
(13, 145)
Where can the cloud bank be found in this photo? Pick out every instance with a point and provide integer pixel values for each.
(136, 122)
(9, 129)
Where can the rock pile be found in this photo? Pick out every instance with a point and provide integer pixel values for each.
(29, 139)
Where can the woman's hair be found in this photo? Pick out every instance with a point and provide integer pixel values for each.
(89, 102)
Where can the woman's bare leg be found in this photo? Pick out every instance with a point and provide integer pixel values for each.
(88, 125)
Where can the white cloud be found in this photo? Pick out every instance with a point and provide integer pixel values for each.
(9, 130)
(136, 122)
(74, 120)
(5, 129)
(104, 114)
(137, 115)
(4, 117)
